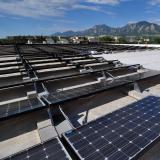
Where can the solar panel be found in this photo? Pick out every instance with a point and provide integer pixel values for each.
(15, 108)
(120, 135)
(57, 97)
(50, 150)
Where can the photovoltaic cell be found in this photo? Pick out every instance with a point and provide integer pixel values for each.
(50, 150)
(15, 108)
(120, 135)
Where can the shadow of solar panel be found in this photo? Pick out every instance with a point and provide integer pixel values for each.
(15, 108)
(50, 150)
(120, 135)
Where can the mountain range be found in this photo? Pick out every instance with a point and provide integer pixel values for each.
(131, 29)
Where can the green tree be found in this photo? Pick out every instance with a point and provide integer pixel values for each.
(122, 40)
(157, 40)
(107, 39)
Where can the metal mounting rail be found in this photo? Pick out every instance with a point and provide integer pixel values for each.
(85, 73)
(28, 67)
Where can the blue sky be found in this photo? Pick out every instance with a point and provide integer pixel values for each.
(36, 17)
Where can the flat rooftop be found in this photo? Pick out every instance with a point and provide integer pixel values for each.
(148, 58)
(91, 101)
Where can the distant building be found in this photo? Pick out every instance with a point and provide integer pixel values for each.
(132, 39)
(49, 40)
(29, 42)
(116, 39)
(146, 40)
(93, 39)
(79, 39)
(62, 40)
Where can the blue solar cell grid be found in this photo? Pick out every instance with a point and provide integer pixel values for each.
(120, 135)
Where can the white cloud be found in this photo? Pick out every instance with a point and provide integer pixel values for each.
(80, 6)
(35, 8)
(107, 2)
(39, 8)
(110, 2)
(154, 20)
(92, 8)
(154, 2)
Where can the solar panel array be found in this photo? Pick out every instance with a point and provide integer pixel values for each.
(31, 69)
(84, 48)
(62, 96)
(12, 109)
(120, 135)
(12, 70)
(36, 64)
(50, 150)
(58, 59)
